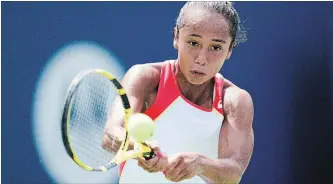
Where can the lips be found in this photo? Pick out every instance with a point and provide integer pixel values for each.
(198, 73)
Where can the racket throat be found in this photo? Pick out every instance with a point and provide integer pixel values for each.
(122, 156)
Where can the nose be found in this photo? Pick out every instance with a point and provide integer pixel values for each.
(202, 58)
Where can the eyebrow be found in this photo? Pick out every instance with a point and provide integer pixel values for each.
(215, 40)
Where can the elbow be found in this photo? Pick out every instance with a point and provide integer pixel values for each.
(112, 139)
(105, 141)
(235, 176)
(231, 175)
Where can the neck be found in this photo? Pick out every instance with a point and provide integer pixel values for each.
(193, 92)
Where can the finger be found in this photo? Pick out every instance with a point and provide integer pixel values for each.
(174, 177)
(153, 143)
(144, 167)
(147, 169)
(164, 160)
(140, 158)
(152, 170)
(162, 163)
(173, 162)
(159, 166)
(186, 176)
(154, 146)
(187, 173)
(159, 154)
(150, 163)
(143, 162)
(181, 176)
(174, 173)
(140, 164)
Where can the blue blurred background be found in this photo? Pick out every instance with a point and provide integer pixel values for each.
(286, 65)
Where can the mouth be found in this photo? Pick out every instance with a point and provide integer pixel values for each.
(197, 73)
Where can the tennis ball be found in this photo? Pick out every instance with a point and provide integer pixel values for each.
(141, 127)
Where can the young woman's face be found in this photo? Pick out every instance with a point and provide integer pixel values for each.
(203, 45)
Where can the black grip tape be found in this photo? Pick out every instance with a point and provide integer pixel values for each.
(149, 155)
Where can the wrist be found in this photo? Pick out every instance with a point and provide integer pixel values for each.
(132, 143)
(201, 160)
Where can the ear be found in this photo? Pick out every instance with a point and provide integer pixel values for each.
(175, 38)
(229, 54)
(230, 51)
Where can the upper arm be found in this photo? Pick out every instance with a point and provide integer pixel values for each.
(236, 136)
(138, 81)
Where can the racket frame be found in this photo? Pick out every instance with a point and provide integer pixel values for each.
(122, 154)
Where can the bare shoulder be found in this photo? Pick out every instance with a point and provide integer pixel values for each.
(142, 76)
(146, 71)
(238, 95)
(238, 104)
(154, 68)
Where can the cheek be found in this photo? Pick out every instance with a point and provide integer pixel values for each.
(218, 67)
(184, 52)
(217, 62)
(186, 55)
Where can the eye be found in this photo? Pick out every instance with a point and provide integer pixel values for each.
(193, 43)
(216, 48)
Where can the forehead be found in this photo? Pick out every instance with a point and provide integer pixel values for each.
(206, 23)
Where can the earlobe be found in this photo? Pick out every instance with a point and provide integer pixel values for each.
(229, 54)
(232, 45)
(175, 44)
(175, 38)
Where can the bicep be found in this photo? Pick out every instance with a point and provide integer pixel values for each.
(236, 135)
(236, 144)
(136, 83)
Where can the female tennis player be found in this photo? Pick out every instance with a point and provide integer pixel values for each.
(203, 121)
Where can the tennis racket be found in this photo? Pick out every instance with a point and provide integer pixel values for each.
(84, 118)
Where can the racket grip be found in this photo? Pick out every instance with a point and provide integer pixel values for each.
(149, 155)
(160, 155)
(152, 154)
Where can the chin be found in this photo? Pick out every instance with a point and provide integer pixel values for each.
(196, 81)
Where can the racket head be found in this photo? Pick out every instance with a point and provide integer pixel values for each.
(84, 118)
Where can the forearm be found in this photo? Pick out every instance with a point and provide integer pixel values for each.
(113, 139)
(114, 132)
(223, 171)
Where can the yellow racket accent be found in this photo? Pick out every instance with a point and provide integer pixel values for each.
(123, 154)
(105, 73)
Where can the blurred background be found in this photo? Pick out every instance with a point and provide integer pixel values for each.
(286, 65)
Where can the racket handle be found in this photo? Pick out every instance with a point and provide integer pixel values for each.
(149, 155)
(160, 155)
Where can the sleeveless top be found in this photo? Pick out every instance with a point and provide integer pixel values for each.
(181, 126)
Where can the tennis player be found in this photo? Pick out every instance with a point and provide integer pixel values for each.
(203, 121)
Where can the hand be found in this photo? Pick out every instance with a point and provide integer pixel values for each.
(182, 166)
(113, 138)
(156, 164)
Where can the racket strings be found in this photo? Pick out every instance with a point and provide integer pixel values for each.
(89, 112)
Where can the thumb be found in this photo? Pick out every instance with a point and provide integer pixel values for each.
(154, 145)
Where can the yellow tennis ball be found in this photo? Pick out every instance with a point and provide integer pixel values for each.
(141, 127)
